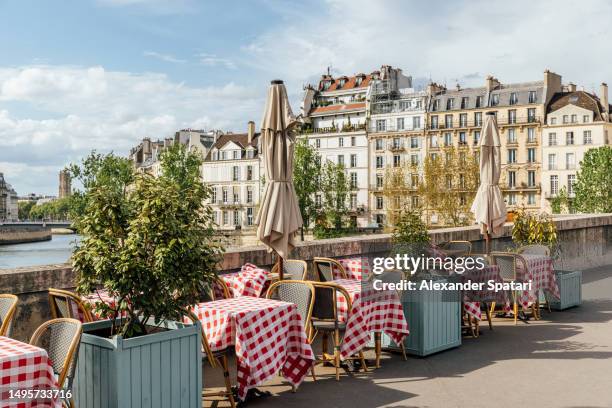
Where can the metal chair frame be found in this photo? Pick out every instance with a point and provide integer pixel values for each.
(307, 320)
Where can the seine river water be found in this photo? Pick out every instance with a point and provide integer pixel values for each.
(58, 250)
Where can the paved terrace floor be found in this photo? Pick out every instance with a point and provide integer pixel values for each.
(563, 360)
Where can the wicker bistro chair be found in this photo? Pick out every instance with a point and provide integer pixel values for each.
(62, 304)
(60, 338)
(508, 263)
(215, 359)
(457, 247)
(293, 268)
(324, 269)
(8, 306)
(327, 320)
(484, 302)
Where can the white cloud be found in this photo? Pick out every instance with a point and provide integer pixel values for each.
(86, 108)
(211, 60)
(164, 57)
(515, 40)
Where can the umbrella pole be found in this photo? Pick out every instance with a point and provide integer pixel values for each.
(279, 262)
(487, 243)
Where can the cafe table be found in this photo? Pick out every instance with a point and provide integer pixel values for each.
(373, 311)
(268, 336)
(27, 369)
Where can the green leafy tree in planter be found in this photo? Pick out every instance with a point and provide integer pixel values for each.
(148, 240)
(593, 186)
(410, 235)
(530, 228)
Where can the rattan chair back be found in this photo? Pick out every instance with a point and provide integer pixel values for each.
(324, 269)
(66, 304)
(60, 338)
(300, 293)
(8, 307)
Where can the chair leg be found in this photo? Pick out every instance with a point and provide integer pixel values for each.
(377, 347)
(489, 316)
(403, 351)
(312, 372)
(337, 354)
(363, 361)
(228, 384)
(492, 308)
(515, 310)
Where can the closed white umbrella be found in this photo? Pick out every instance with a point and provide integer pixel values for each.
(488, 207)
(279, 216)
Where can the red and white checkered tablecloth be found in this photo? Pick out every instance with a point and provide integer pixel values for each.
(541, 273)
(472, 298)
(250, 281)
(99, 296)
(25, 367)
(373, 311)
(268, 336)
(355, 267)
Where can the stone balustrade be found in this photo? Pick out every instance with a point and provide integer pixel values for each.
(586, 241)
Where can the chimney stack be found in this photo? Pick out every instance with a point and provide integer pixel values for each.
(491, 83)
(250, 131)
(604, 97)
(571, 87)
(552, 85)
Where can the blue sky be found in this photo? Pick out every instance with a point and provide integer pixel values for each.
(102, 74)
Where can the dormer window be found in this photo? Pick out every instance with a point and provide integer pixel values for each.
(494, 99)
(513, 98)
(450, 103)
(358, 80)
(215, 155)
(236, 154)
(341, 83)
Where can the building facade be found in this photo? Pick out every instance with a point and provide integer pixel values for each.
(576, 121)
(233, 169)
(454, 118)
(9, 209)
(396, 135)
(336, 116)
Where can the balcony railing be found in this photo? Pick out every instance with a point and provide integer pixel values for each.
(342, 129)
(392, 128)
(501, 121)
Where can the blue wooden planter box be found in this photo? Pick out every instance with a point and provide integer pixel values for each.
(161, 370)
(434, 320)
(570, 289)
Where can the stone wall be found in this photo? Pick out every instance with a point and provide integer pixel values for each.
(17, 234)
(586, 242)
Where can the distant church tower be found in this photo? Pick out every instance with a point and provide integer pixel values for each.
(65, 189)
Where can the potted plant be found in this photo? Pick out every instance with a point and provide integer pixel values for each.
(148, 241)
(434, 317)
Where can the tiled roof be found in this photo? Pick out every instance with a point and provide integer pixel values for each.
(349, 83)
(504, 91)
(578, 98)
(337, 108)
(241, 139)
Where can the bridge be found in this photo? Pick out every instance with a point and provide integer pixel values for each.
(51, 224)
